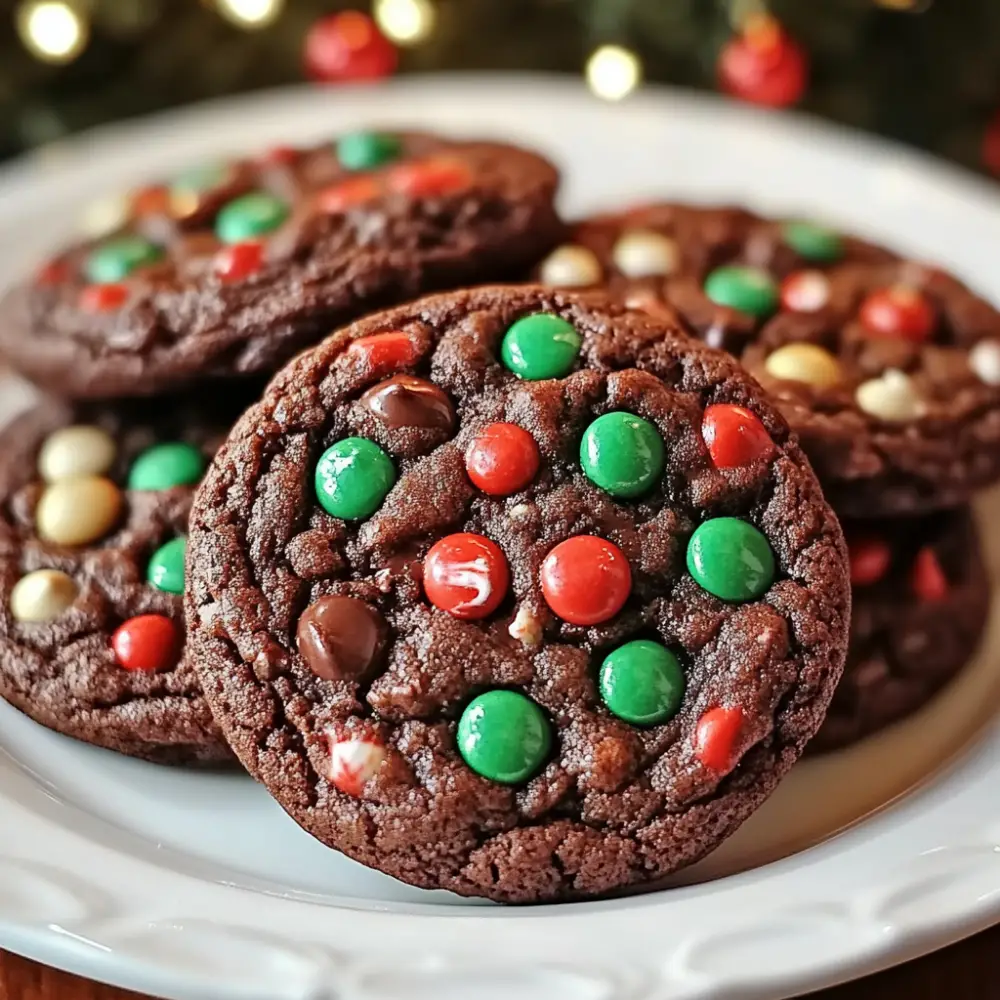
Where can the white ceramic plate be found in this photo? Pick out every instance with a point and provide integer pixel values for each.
(197, 886)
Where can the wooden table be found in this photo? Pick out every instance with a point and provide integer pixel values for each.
(966, 971)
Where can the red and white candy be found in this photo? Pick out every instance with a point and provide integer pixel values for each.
(353, 761)
(805, 292)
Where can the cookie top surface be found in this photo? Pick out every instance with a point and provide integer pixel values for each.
(463, 623)
(889, 370)
(230, 268)
(921, 597)
(94, 502)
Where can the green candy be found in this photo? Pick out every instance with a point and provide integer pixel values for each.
(504, 736)
(166, 568)
(814, 242)
(118, 258)
(353, 477)
(164, 465)
(199, 179)
(746, 289)
(367, 150)
(730, 559)
(251, 215)
(540, 346)
(622, 453)
(642, 682)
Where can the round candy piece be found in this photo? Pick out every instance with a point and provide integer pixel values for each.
(891, 397)
(353, 761)
(407, 401)
(898, 311)
(466, 575)
(42, 595)
(147, 642)
(984, 360)
(118, 258)
(103, 298)
(571, 266)
(870, 560)
(353, 478)
(432, 178)
(341, 638)
(78, 510)
(248, 216)
(747, 289)
(735, 436)
(384, 352)
(642, 682)
(715, 738)
(623, 454)
(927, 578)
(805, 363)
(173, 463)
(367, 150)
(79, 450)
(644, 253)
(502, 459)
(166, 568)
(504, 736)
(814, 242)
(233, 263)
(540, 346)
(805, 292)
(731, 559)
(586, 580)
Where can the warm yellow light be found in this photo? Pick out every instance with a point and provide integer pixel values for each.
(251, 13)
(407, 22)
(51, 30)
(613, 72)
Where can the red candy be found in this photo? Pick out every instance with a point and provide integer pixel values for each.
(239, 260)
(385, 352)
(870, 559)
(428, 178)
(898, 312)
(151, 201)
(502, 459)
(53, 273)
(103, 298)
(715, 738)
(735, 436)
(347, 194)
(586, 580)
(927, 577)
(147, 642)
(353, 761)
(466, 575)
(805, 292)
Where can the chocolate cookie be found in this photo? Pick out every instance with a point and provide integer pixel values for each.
(921, 597)
(888, 370)
(94, 502)
(516, 593)
(231, 268)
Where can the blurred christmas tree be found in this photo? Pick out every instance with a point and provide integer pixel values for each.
(923, 71)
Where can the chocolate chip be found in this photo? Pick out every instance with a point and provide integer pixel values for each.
(406, 401)
(341, 638)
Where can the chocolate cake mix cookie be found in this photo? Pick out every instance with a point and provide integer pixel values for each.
(517, 594)
(888, 370)
(232, 267)
(921, 597)
(94, 502)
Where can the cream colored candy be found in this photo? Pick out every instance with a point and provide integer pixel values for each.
(571, 266)
(804, 363)
(80, 450)
(77, 511)
(42, 595)
(642, 253)
(891, 397)
(104, 216)
(984, 360)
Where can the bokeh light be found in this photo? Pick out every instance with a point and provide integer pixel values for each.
(251, 13)
(407, 22)
(613, 72)
(51, 30)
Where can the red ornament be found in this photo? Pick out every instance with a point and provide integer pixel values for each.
(927, 577)
(502, 459)
(348, 47)
(466, 575)
(898, 311)
(715, 738)
(991, 145)
(870, 558)
(586, 580)
(103, 298)
(55, 272)
(352, 762)
(147, 642)
(805, 292)
(735, 436)
(385, 352)
(347, 194)
(429, 178)
(763, 65)
(239, 260)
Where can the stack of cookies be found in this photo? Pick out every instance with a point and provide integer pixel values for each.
(526, 591)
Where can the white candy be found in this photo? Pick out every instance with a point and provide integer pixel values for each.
(78, 510)
(571, 266)
(353, 762)
(42, 595)
(526, 627)
(79, 450)
(891, 397)
(642, 253)
(805, 292)
(984, 360)
(103, 217)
